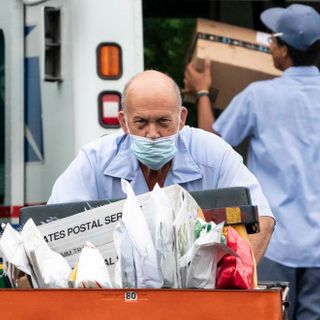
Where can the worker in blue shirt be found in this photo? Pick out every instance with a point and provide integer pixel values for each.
(281, 117)
(155, 147)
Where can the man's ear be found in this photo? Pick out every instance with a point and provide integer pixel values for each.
(286, 58)
(285, 51)
(183, 117)
(123, 122)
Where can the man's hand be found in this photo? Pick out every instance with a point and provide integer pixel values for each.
(259, 241)
(195, 81)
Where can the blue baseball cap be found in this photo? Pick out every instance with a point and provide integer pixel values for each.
(298, 24)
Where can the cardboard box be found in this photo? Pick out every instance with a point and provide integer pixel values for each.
(239, 56)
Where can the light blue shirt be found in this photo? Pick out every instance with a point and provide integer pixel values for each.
(282, 119)
(203, 161)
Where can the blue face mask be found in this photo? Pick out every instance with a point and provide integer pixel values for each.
(154, 153)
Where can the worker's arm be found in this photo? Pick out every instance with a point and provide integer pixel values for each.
(259, 241)
(197, 82)
(205, 114)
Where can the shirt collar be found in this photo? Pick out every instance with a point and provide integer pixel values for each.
(184, 169)
(125, 165)
(302, 71)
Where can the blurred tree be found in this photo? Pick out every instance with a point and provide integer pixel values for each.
(166, 43)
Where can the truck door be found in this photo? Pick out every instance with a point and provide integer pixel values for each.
(11, 110)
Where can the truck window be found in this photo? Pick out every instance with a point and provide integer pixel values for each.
(2, 116)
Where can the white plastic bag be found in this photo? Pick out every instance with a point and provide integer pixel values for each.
(144, 253)
(13, 250)
(125, 271)
(51, 269)
(200, 262)
(15, 260)
(163, 236)
(184, 225)
(92, 271)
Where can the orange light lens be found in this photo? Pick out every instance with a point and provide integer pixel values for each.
(110, 61)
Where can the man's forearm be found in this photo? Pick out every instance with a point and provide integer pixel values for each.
(205, 114)
(260, 241)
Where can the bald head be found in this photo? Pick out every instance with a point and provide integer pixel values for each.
(152, 106)
(153, 85)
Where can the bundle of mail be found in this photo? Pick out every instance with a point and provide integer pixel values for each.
(155, 240)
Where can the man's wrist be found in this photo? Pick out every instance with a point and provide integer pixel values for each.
(202, 93)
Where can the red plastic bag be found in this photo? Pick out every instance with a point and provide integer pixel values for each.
(236, 272)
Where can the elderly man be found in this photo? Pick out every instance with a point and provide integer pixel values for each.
(155, 147)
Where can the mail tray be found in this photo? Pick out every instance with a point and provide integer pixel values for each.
(155, 304)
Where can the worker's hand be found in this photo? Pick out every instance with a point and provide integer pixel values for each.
(195, 81)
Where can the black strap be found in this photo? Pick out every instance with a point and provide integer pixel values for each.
(234, 42)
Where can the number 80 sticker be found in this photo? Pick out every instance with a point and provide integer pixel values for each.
(130, 296)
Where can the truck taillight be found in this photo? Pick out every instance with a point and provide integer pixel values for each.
(109, 61)
(109, 107)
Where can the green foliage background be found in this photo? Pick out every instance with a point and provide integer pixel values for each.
(166, 43)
